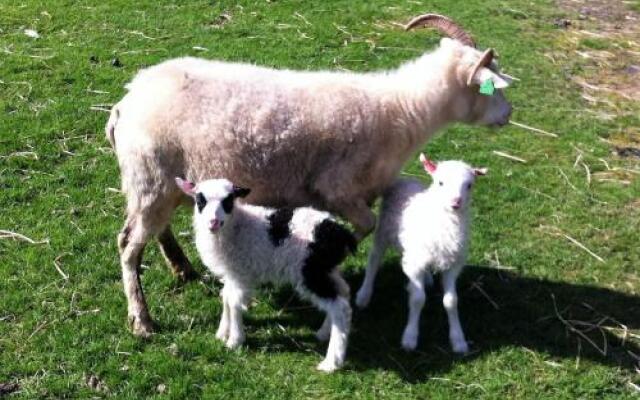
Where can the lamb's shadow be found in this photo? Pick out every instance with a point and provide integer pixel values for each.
(498, 309)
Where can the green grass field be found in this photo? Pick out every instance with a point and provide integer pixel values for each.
(546, 318)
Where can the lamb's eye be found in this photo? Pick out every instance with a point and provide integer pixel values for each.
(201, 201)
(468, 186)
(440, 183)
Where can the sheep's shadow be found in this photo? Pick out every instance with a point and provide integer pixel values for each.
(498, 309)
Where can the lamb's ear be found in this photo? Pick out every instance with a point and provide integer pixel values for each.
(480, 171)
(240, 191)
(186, 186)
(428, 165)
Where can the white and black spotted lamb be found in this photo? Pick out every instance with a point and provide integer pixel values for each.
(247, 245)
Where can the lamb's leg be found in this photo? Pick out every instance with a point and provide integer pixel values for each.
(450, 302)
(131, 242)
(363, 297)
(174, 256)
(339, 311)
(324, 332)
(223, 329)
(417, 298)
(235, 298)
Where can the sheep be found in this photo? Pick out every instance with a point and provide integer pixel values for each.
(297, 138)
(247, 245)
(431, 228)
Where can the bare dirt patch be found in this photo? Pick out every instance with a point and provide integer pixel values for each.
(603, 39)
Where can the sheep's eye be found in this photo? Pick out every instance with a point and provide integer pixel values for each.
(468, 186)
(440, 183)
(227, 203)
(201, 201)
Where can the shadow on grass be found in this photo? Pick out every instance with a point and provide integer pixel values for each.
(498, 309)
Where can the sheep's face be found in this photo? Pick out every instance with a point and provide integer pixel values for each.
(483, 101)
(214, 200)
(452, 182)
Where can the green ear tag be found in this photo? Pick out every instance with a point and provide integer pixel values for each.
(487, 88)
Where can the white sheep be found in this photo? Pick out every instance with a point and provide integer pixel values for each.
(247, 245)
(297, 138)
(431, 229)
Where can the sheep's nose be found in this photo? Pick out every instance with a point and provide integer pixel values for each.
(456, 203)
(215, 225)
(509, 111)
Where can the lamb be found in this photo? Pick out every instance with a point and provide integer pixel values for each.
(297, 138)
(431, 228)
(247, 245)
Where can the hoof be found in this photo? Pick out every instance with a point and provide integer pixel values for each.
(222, 334)
(323, 334)
(409, 342)
(327, 366)
(141, 326)
(234, 342)
(185, 272)
(460, 347)
(362, 299)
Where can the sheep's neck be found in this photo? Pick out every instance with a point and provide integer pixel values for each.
(420, 98)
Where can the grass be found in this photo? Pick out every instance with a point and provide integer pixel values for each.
(552, 324)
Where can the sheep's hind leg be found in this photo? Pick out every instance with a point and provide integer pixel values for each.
(363, 297)
(175, 257)
(131, 243)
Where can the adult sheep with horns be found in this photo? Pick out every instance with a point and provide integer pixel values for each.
(331, 140)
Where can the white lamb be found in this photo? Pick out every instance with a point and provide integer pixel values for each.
(431, 228)
(247, 245)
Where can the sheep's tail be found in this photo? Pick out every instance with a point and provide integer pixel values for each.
(110, 128)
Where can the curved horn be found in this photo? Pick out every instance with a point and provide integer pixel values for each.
(444, 25)
(484, 61)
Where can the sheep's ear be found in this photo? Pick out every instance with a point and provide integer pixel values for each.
(480, 171)
(428, 165)
(240, 191)
(483, 74)
(186, 186)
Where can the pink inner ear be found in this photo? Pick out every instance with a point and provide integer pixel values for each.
(186, 186)
(480, 171)
(428, 165)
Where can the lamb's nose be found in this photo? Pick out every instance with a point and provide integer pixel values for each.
(457, 202)
(214, 225)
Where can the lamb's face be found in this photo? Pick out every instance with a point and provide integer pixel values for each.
(214, 200)
(452, 182)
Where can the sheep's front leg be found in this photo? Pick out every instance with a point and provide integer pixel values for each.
(417, 298)
(174, 256)
(450, 302)
(235, 300)
(360, 216)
